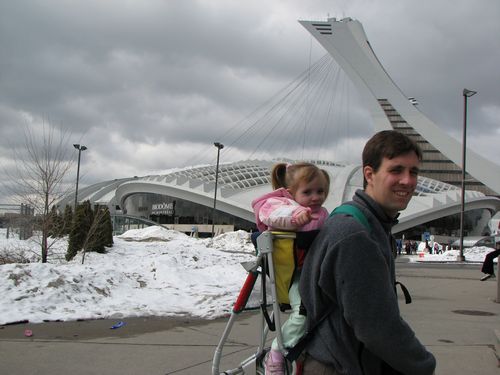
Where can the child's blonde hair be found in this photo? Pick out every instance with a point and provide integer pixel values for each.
(289, 176)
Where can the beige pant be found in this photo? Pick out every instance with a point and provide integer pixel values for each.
(314, 367)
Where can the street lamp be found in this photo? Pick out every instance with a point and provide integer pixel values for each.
(219, 147)
(467, 94)
(80, 148)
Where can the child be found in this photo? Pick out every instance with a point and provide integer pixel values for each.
(295, 205)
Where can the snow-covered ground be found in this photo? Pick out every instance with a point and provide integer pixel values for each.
(473, 254)
(152, 271)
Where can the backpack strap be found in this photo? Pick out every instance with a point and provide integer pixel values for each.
(353, 211)
(294, 352)
(405, 291)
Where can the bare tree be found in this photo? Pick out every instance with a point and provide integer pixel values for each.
(38, 176)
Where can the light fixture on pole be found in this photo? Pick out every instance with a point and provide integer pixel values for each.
(219, 147)
(467, 94)
(80, 148)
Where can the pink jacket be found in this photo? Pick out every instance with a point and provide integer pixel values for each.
(278, 210)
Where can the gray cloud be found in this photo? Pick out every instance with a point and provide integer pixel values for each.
(151, 85)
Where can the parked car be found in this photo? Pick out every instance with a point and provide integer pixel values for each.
(472, 241)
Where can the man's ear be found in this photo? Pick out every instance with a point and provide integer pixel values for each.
(368, 174)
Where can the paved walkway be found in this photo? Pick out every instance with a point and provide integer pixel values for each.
(453, 313)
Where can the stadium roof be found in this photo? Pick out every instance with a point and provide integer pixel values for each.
(241, 182)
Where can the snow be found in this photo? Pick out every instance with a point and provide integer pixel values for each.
(473, 254)
(153, 271)
(148, 272)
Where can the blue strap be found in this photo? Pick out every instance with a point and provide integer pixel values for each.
(353, 211)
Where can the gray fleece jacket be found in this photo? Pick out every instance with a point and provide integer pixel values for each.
(351, 268)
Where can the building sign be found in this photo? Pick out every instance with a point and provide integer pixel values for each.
(163, 209)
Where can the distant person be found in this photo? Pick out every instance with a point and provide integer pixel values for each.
(414, 246)
(407, 247)
(487, 267)
(411, 247)
(348, 279)
(428, 247)
(296, 204)
(399, 245)
(436, 248)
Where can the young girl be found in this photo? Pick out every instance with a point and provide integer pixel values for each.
(295, 204)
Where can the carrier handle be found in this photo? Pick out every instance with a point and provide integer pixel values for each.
(245, 291)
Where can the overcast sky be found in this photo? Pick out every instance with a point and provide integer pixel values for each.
(150, 85)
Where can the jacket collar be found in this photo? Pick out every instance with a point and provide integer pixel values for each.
(387, 222)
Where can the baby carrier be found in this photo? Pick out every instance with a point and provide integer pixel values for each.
(277, 260)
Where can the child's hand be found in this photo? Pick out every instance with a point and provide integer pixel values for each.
(303, 218)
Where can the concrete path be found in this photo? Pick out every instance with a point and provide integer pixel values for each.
(453, 313)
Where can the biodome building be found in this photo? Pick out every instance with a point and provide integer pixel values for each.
(184, 199)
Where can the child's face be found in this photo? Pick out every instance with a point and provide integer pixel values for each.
(311, 194)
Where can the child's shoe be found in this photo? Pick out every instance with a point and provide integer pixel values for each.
(274, 363)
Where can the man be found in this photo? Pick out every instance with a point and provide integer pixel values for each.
(349, 278)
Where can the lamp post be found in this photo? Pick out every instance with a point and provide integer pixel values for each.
(467, 94)
(219, 147)
(80, 148)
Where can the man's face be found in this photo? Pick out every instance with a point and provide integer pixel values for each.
(392, 186)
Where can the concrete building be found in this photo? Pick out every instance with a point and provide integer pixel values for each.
(345, 40)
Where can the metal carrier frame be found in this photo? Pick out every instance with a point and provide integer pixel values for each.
(262, 266)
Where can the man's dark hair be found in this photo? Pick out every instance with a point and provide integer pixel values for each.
(387, 144)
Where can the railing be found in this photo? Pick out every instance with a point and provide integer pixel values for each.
(123, 223)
